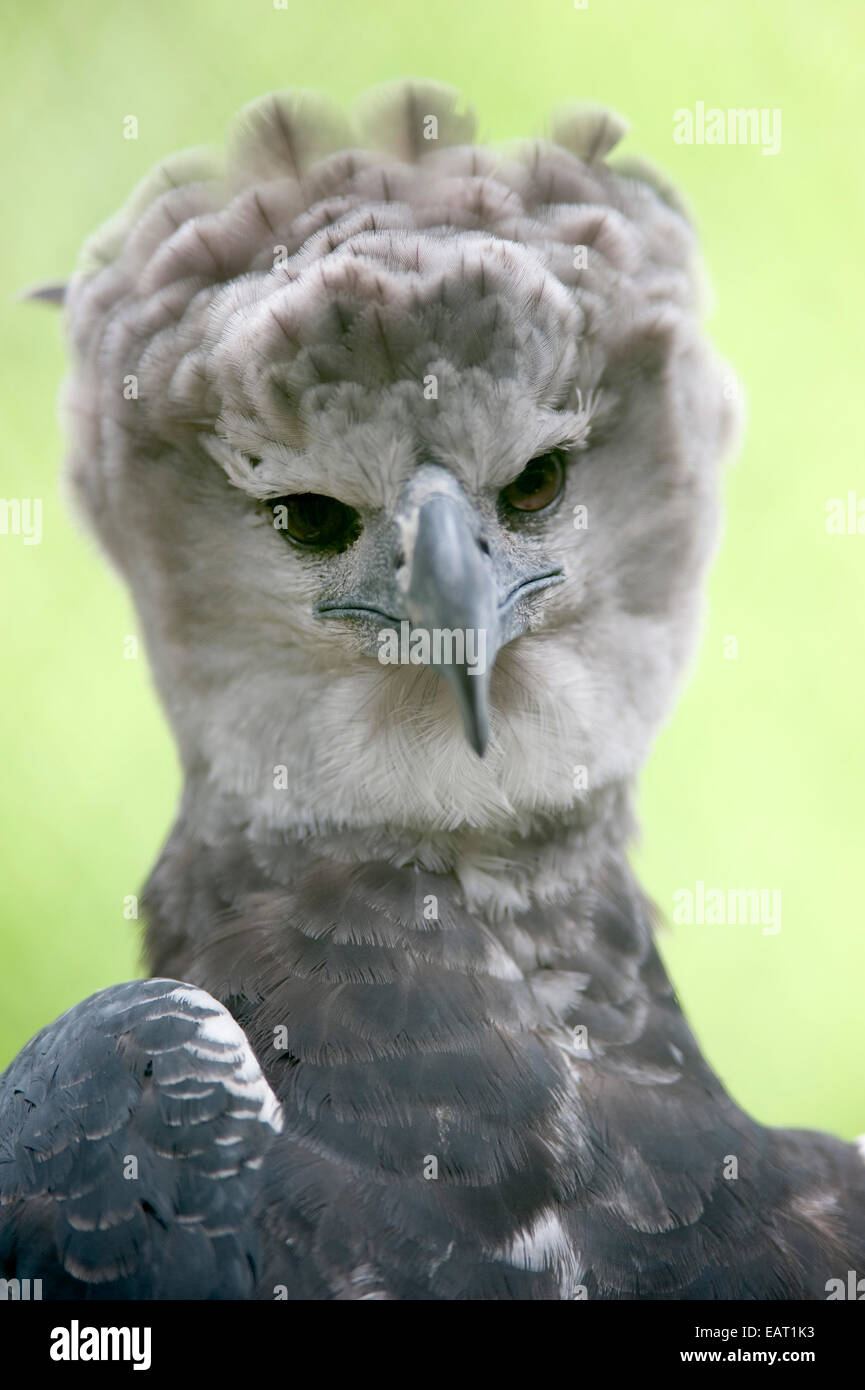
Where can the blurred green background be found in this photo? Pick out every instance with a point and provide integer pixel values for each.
(758, 781)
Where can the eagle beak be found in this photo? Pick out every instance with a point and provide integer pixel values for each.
(452, 597)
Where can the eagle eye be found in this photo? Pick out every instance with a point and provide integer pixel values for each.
(539, 486)
(315, 521)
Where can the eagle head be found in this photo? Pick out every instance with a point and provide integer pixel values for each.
(408, 451)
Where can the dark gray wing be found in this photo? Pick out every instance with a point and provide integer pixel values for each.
(132, 1134)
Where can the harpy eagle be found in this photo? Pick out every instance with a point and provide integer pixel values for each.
(408, 450)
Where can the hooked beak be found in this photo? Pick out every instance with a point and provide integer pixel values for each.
(459, 599)
(452, 595)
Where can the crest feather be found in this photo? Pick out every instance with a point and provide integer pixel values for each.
(396, 118)
(588, 131)
(281, 135)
